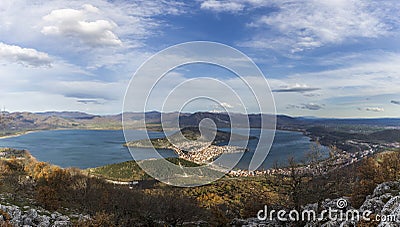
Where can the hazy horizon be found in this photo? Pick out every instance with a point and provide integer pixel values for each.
(277, 114)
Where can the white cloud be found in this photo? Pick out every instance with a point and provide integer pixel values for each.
(301, 88)
(74, 23)
(65, 32)
(222, 6)
(303, 25)
(226, 105)
(347, 88)
(377, 76)
(375, 109)
(234, 6)
(41, 101)
(40, 89)
(90, 101)
(307, 24)
(306, 106)
(108, 91)
(118, 28)
(24, 56)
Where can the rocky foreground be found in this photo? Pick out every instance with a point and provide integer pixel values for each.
(29, 216)
(384, 205)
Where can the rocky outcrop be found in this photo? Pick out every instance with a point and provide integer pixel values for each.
(27, 216)
(383, 207)
(385, 203)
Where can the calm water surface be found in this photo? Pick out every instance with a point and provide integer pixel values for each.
(91, 148)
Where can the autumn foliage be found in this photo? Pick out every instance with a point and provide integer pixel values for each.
(216, 204)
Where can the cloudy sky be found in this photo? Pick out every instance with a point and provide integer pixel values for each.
(336, 58)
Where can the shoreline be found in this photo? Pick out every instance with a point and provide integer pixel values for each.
(58, 129)
(114, 129)
(19, 134)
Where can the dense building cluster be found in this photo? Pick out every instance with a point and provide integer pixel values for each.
(12, 153)
(202, 152)
(338, 160)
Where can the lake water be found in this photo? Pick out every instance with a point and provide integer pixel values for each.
(92, 148)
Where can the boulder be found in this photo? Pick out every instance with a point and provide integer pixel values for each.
(28, 216)
(384, 202)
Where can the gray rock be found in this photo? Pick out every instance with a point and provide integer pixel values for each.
(384, 201)
(374, 205)
(61, 224)
(27, 221)
(239, 222)
(30, 217)
(55, 215)
(391, 212)
(391, 205)
(42, 218)
(16, 222)
(63, 218)
(44, 224)
(84, 217)
(32, 213)
(387, 187)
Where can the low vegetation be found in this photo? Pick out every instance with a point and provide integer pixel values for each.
(130, 170)
(54, 188)
(332, 136)
(41, 184)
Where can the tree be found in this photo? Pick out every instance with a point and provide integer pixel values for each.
(290, 184)
(373, 171)
(319, 184)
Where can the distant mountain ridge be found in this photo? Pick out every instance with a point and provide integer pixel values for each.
(20, 121)
(68, 115)
(356, 121)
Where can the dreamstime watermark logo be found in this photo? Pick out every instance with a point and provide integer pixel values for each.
(341, 213)
(341, 203)
(159, 85)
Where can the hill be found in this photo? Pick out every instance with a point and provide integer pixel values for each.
(353, 141)
(130, 170)
(68, 115)
(12, 123)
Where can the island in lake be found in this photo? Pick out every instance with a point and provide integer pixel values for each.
(200, 146)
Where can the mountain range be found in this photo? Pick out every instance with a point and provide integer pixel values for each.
(20, 121)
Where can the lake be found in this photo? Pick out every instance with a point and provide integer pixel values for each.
(92, 148)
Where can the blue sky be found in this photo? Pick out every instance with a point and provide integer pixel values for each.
(337, 58)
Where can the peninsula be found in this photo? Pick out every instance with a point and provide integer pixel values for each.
(192, 145)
